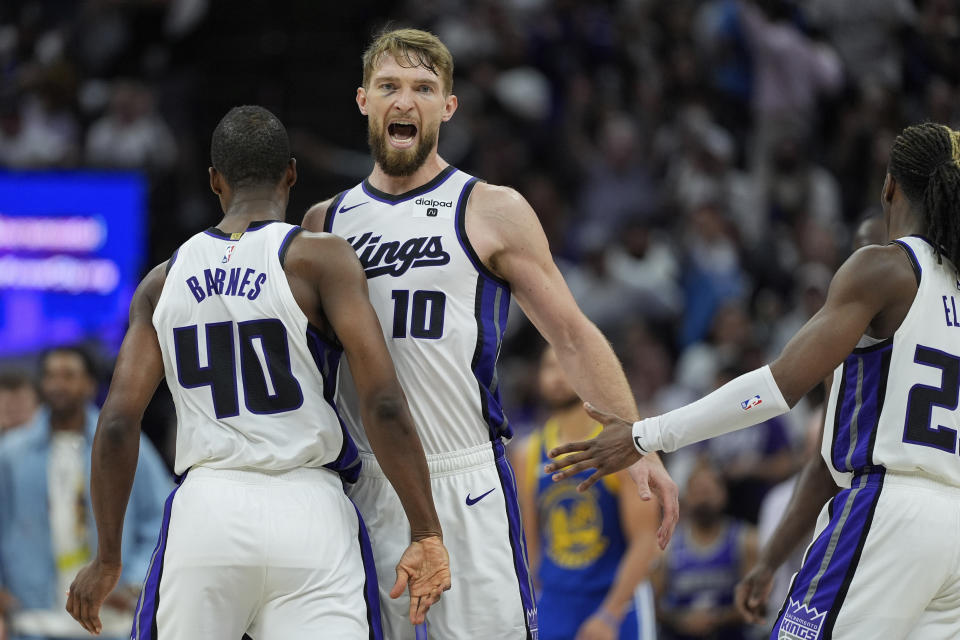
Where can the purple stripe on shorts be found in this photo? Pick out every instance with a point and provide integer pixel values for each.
(517, 540)
(371, 591)
(145, 620)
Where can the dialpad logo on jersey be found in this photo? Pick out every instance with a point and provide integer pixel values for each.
(394, 258)
(750, 403)
(800, 622)
(433, 203)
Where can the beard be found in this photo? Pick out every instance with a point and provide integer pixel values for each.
(395, 162)
(705, 516)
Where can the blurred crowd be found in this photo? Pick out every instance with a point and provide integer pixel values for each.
(698, 165)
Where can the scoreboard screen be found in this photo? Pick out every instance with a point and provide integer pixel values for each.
(71, 250)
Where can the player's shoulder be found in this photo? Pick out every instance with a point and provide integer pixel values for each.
(501, 211)
(318, 250)
(151, 286)
(496, 199)
(316, 215)
(879, 268)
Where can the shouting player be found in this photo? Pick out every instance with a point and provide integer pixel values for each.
(884, 561)
(443, 252)
(248, 321)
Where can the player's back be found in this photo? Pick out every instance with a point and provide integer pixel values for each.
(893, 403)
(253, 382)
(442, 311)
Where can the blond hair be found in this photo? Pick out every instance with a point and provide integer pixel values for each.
(410, 48)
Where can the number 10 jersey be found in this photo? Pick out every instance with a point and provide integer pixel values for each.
(442, 311)
(893, 403)
(253, 382)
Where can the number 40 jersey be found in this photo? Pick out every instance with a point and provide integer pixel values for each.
(253, 382)
(893, 403)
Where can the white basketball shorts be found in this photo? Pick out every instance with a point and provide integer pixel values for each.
(277, 556)
(476, 498)
(884, 563)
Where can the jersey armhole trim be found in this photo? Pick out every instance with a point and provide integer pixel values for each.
(173, 258)
(461, 224)
(917, 271)
(332, 211)
(287, 241)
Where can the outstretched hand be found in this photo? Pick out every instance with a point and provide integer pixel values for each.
(424, 568)
(88, 591)
(611, 451)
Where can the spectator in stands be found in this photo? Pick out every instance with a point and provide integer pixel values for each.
(19, 400)
(131, 134)
(709, 553)
(47, 530)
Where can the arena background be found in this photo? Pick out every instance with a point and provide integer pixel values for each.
(697, 166)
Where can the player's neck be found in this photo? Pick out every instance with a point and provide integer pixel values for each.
(395, 185)
(245, 208)
(573, 423)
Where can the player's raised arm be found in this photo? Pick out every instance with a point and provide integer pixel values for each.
(343, 296)
(874, 287)
(116, 446)
(508, 236)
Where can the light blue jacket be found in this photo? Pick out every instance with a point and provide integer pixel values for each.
(27, 566)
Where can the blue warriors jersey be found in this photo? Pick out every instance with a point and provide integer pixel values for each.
(581, 540)
(581, 545)
(442, 311)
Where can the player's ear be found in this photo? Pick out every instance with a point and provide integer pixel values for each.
(449, 107)
(216, 181)
(889, 188)
(290, 177)
(362, 100)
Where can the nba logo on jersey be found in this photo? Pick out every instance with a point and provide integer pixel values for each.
(800, 622)
(750, 403)
(228, 254)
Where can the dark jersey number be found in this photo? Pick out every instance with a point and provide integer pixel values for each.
(425, 314)
(265, 370)
(923, 398)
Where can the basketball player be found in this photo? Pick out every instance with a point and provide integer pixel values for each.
(591, 550)
(814, 485)
(884, 562)
(443, 253)
(247, 321)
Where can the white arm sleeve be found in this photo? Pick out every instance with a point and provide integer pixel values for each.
(743, 402)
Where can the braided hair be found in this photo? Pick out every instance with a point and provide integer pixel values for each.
(925, 161)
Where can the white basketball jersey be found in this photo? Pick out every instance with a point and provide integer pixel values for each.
(893, 402)
(443, 313)
(253, 382)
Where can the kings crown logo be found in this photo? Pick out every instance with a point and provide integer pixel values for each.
(800, 622)
(394, 258)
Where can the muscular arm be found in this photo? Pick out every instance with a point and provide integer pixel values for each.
(116, 445)
(873, 289)
(509, 240)
(386, 418)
